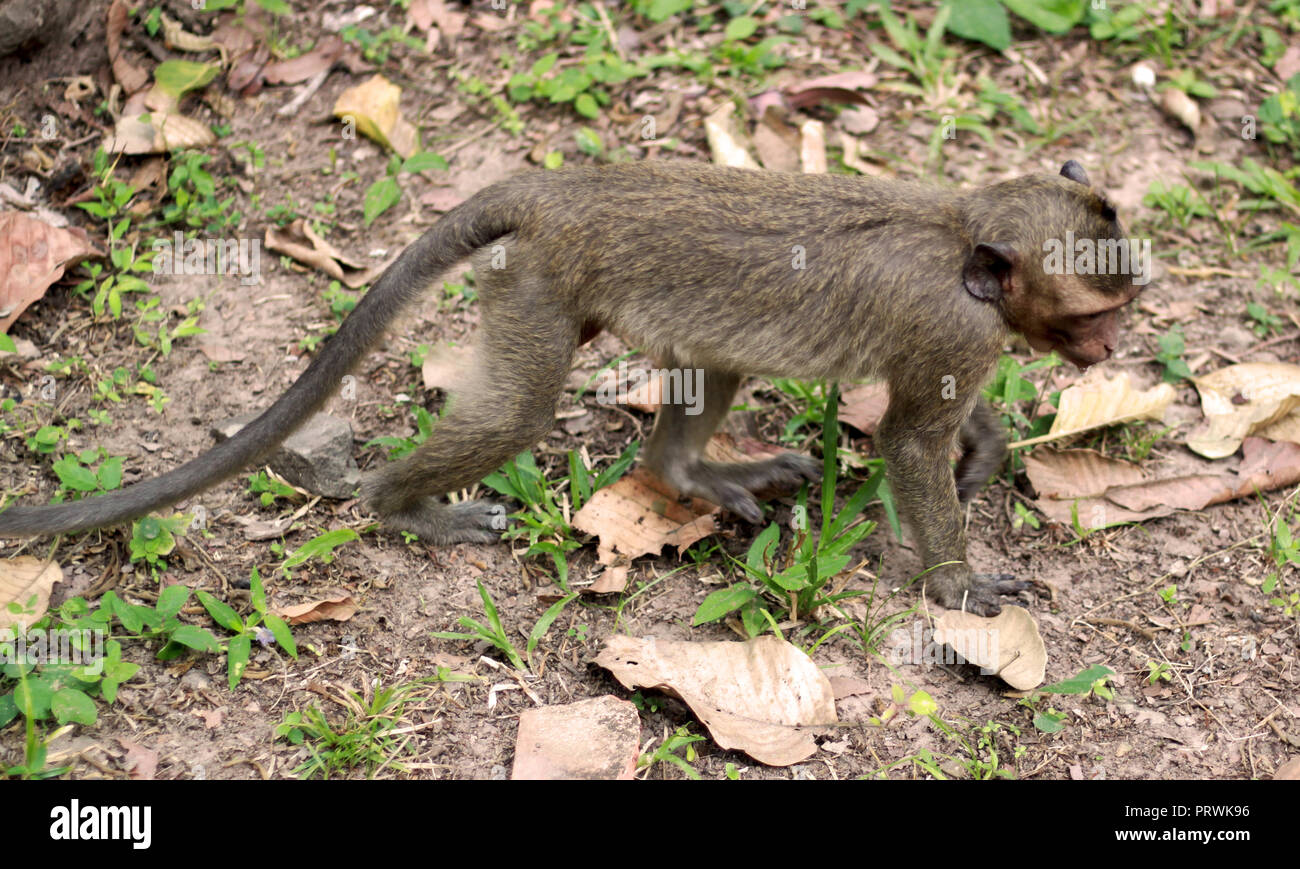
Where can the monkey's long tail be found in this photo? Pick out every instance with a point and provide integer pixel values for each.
(471, 225)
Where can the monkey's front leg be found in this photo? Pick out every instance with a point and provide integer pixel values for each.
(923, 483)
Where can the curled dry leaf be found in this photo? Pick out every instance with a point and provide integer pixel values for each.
(777, 142)
(1007, 645)
(26, 582)
(33, 255)
(1102, 402)
(636, 515)
(593, 740)
(131, 77)
(1181, 108)
(725, 143)
(1241, 400)
(1103, 491)
(300, 241)
(157, 133)
(337, 607)
(304, 66)
(760, 696)
(375, 106)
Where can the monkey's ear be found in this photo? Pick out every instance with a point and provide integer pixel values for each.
(1074, 172)
(988, 270)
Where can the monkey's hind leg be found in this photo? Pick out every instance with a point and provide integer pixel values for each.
(676, 448)
(505, 407)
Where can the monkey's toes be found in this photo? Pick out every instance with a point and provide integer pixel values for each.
(738, 500)
(986, 589)
(804, 467)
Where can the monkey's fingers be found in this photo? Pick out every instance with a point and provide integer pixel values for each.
(986, 589)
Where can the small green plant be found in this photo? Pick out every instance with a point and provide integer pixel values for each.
(385, 192)
(493, 632)
(1139, 440)
(268, 488)
(1284, 549)
(1158, 671)
(1169, 594)
(1265, 322)
(365, 738)
(1180, 202)
(1279, 116)
(682, 741)
(377, 46)
(261, 625)
(194, 196)
(1172, 346)
(153, 538)
(91, 470)
(545, 518)
(321, 546)
(399, 447)
(792, 584)
(1009, 391)
(47, 438)
(1093, 680)
(1025, 516)
(809, 400)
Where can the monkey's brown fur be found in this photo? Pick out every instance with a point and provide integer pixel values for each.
(697, 265)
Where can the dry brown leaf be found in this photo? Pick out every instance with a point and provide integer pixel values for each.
(131, 77)
(375, 105)
(636, 515)
(864, 406)
(441, 198)
(304, 66)
(337, 607)
(299, 241)
(26, 581)
(445, 365)
(758, 696)
(1241, 400)
(842, 87)
(1181, 108)
(33, 255)
(141, 763)
(1106, 491)
(777, 142)
(1289, 771)
(726, 144)
(1102, 402)
(1007, 645)
(595, 740)
(812, 147)
(161, 132)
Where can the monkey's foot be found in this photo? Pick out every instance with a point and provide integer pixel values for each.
(734, 484)
(982, 598)
(444, 524)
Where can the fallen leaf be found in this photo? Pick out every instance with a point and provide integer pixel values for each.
(1007, 645)
(776, 142)
(812, 147)
(1241, 400)
(141, 763)
(212, 718)
(339, 608)
(26, 581)
(636, 515)
(304, 66)
(299, 241)
(375, 106)
(441, 198)
(445, 366)
(1181, 108)
(842, 87)
(33, 255)
(1102, 402)
(220, 351)
(156, 133)
(725, 143)
(1288, 771)
(864, 406)
(760, 696)
(594, 740)
(131, 77)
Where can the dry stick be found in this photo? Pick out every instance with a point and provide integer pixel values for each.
(609, 28)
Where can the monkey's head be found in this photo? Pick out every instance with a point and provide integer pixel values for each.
(1062, 269)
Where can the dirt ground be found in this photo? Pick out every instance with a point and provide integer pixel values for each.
(1229, 709)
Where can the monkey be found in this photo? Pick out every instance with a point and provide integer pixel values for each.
(735, 272)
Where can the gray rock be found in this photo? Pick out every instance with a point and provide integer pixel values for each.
(317, 457)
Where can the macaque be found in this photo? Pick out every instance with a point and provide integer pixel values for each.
(735, 272)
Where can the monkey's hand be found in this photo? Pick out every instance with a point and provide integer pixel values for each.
(979, 593)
